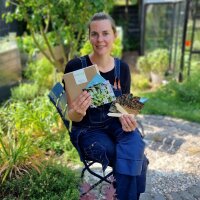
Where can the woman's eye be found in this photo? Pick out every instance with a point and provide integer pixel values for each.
(93, 34)
(106, 33)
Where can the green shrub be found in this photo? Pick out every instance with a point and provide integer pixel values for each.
(188, 91)
(27, 45)
(42, 72)
(139, 82)
(40, 121)
(19, 153)
(117, 48)
(25, 91)
(156, 61)
(55, 182)
(180, 100)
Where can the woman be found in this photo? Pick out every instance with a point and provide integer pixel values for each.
(110, 141)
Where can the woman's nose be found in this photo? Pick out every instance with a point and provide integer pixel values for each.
(100, 38)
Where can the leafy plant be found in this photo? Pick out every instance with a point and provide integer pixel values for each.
(26, 45)
(40, 121)
(156, 61)
(18, 154)
(68, 29)
(180, 100)
(25, 91)
(54, 182)
(117, 48)
(140, 82)
(42, 73)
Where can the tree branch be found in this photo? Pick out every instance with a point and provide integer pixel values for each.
(40, 48)
(47, 24)
(47, 42)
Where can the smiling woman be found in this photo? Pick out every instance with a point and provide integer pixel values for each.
(102, 33)
(111, 141)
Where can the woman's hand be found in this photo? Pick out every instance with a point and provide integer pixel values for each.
(77, 108)
(128, 122)
(81, 103)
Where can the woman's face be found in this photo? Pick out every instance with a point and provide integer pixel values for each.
(101, 36)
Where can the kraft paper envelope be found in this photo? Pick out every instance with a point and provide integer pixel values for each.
(77, 80)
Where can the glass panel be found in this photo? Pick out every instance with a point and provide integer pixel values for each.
(177, 36)
(192, 43)
(164, 24)
(158, 26)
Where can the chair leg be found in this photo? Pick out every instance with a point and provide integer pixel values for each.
(86, 168)
(105, 178)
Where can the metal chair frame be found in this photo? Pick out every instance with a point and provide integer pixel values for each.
(58, 97)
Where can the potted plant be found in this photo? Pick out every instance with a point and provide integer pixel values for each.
(155, 63)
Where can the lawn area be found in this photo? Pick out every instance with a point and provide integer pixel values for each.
(161, 104)
(180, 100)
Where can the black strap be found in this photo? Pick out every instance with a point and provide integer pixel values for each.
(117, 84)
(117, 68)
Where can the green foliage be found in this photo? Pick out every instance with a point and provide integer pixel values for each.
(18, 154)
(186, 92)
(27, 45)
(35, 118)
(41, 72)
(68, 29)
(55, 182)
(116, 51)
(156, 61)
(117, 48)
(25, 91)
(41, 122)
(86, 49)
(176, 99)
(139, 82)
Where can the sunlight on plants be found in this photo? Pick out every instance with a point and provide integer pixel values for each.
(18, 154)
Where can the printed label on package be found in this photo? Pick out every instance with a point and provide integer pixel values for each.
(79, 76)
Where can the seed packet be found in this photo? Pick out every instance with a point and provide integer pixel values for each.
(131, 104)
(100, 90)
(101, 93)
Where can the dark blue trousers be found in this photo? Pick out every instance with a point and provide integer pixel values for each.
(124, 151)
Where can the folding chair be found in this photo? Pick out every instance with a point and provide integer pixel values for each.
(58, 97)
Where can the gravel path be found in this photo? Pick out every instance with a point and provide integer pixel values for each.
(173, 149)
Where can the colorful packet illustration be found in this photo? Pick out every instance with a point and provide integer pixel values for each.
(132, 104)
(101, 91)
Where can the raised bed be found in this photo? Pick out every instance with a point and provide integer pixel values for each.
(10, 69)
